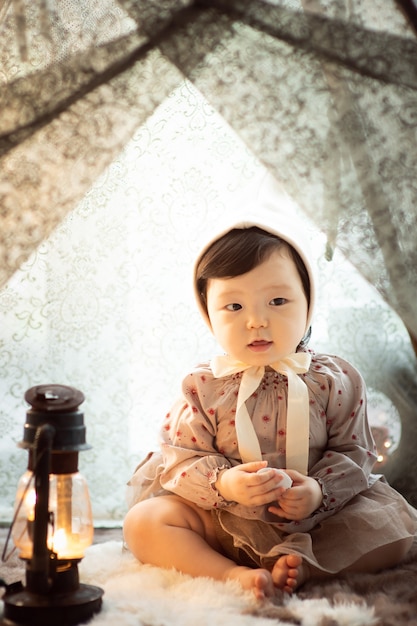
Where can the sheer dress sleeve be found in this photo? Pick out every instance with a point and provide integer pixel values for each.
(343, 466)
(191, 456)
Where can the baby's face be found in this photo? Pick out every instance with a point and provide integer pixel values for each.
(261, 316)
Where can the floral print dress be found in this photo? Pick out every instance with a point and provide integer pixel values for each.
(360, 511)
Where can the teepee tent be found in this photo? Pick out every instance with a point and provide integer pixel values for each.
(320, 94)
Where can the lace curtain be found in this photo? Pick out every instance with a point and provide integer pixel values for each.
(126, 128)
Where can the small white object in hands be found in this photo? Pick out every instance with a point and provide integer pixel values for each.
(285, 480)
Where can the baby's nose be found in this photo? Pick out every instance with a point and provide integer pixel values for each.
(257, 319)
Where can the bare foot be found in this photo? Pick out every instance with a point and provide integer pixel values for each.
(258, 580)
(289, 572)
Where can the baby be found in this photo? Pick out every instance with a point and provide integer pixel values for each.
(212, 502)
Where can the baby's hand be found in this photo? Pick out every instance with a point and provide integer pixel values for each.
(246, 485)
(297, 503)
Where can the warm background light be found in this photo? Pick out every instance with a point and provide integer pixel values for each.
(71, 529)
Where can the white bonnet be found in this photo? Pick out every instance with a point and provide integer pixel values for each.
(275, 214)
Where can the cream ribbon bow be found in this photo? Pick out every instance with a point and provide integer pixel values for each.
(298, 412)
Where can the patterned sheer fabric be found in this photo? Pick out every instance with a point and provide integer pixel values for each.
(324, 93)
(321, 92)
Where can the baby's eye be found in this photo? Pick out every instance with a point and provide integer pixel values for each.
(278, 301)
(233, 307)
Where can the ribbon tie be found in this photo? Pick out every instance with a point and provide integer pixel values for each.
(297, 430)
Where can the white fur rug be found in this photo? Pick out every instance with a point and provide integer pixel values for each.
(142, 595)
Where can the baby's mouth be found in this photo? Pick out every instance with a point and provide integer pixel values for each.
(259, 344)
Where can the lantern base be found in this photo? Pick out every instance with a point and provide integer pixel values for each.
(24, 608)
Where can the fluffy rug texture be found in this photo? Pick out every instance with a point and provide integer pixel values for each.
(141, 595)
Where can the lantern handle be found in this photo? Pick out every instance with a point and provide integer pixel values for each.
(38, 579)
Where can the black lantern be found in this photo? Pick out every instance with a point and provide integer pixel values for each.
(53, 522)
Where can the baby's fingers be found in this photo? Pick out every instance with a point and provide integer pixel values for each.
(279, 512)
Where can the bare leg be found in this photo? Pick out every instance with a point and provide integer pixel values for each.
(168, 531)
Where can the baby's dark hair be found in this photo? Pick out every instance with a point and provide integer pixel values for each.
(239, 251)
